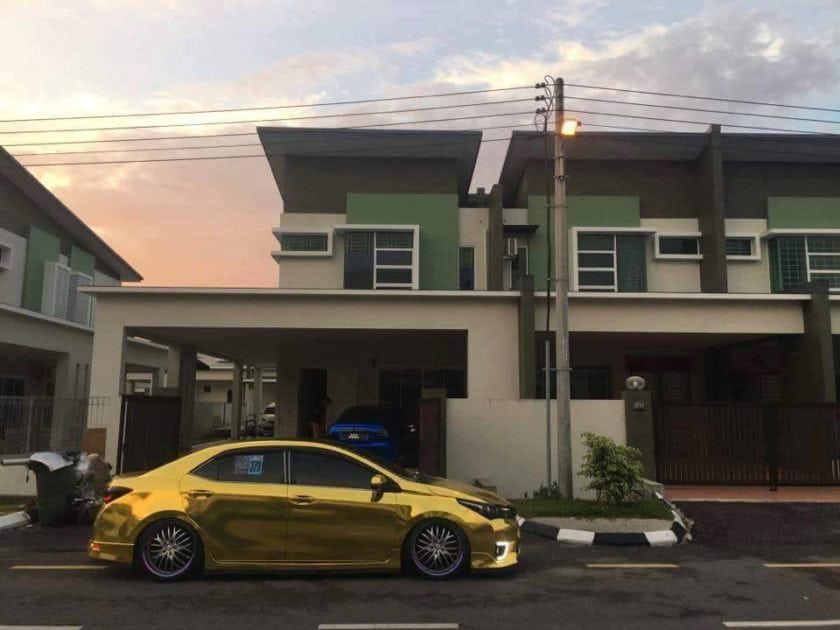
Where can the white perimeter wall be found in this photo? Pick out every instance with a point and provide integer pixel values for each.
(13, 482)
(504, 440)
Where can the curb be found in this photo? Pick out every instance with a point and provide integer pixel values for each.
(660, 538)
(14, 521)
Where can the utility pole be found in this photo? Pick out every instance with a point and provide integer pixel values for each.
(561, 288)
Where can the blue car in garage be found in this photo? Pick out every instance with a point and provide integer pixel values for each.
(374, 429)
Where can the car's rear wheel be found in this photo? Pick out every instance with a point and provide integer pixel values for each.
(169, 549)
(438, 549)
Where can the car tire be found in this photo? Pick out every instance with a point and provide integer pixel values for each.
(169, 550)
(437, 549)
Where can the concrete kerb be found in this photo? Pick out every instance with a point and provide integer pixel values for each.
(14, 521)
(679, 532)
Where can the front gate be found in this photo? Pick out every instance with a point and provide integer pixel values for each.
(748, 444)
(149, 432)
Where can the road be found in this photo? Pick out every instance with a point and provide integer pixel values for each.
(719, 578)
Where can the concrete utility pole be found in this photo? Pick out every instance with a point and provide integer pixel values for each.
(561, 311)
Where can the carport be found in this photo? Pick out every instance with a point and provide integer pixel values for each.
(369, 347)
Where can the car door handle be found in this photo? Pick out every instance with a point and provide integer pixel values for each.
(199, 494)
(302, 499)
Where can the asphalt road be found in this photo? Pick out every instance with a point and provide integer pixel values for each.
(720, 577)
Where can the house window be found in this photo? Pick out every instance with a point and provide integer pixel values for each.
(466, 268)
(740, 247)
(5, 256)
(303, 242)
(379, 260)
(677, 246)
(208, 389)
(611, 262)
(797, 260)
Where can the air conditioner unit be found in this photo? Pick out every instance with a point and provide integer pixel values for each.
(55, 293)
(79, 304)
(511, 247)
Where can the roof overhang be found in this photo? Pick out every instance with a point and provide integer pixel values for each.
(29, 185)
(461, 146)
(527, 146)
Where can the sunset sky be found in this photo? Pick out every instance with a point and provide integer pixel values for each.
(208, 223)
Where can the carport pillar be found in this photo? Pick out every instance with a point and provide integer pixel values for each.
(809, 358)
(157, 380)
(277, 394)
(186, 389)
(638, 422)
(258, 393)
(236, 402)
(107, 380)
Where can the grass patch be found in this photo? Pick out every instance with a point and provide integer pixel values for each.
(9, 504)
(577, 508)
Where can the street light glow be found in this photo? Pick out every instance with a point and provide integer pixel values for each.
(569, 126)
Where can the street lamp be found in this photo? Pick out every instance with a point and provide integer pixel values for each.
(569, 127)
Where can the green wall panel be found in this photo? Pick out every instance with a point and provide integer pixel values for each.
(83, 261)
(786, 213)
(583, 211)
(437, 216)
(41, 247)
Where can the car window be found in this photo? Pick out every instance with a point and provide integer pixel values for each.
(253, 466)
(310, 468)
(269, 411)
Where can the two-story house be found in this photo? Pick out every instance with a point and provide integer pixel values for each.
(695, 261)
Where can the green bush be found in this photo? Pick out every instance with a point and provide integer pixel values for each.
(615, 470)
(546, 492)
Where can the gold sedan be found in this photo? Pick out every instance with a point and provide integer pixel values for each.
(299, 504)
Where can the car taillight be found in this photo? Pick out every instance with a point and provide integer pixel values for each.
(114, 493)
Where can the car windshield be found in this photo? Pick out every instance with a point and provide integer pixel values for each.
(269, 410)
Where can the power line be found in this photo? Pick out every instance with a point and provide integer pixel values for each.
(268, 107)
(700, 109)
(264, 120)
(703, 98)
(266, 154)
(269, 142)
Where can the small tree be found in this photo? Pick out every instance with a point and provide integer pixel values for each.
(615, 469)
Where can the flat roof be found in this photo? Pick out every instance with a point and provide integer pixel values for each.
(459, 145)
(52, 206)
(526, 146)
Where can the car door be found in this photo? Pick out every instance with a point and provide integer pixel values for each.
(333, 515)
(239, 501)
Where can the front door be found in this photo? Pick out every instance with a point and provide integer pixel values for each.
(239, 500)
(333, 515)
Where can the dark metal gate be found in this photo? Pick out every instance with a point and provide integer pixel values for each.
(149, 432)
(747, 444)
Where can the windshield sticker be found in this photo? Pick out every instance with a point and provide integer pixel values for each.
(248, 465)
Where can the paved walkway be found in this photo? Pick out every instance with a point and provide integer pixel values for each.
(754, 494)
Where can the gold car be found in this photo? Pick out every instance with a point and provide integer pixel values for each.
(299, 504)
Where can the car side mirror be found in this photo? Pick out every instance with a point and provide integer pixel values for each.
(378, 482)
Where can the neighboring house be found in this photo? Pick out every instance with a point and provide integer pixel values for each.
(46, 324)
(694, 262)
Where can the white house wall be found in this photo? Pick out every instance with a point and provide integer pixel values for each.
(472, 232)
(479, 434)
(312, 272)
(671, 276)
(748, 276)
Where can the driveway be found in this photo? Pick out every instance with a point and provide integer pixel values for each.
(719, 578)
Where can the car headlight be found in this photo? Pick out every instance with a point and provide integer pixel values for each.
(489, 510)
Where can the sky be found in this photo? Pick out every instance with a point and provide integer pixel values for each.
(208, 223)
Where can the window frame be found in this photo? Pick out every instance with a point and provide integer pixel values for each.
(291, 253)
(7, 256)
(755, 247)
(695, 236)
(415, 252)
(574, 279)
(810, 274)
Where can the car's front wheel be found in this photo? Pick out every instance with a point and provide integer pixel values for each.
(438, 549)
(169, 549)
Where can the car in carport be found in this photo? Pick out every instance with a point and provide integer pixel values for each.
(380, 430)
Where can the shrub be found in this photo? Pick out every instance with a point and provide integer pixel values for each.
(615, 469)
(547, 492)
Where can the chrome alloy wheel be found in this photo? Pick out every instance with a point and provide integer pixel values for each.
(169, 551)
(437, 549)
